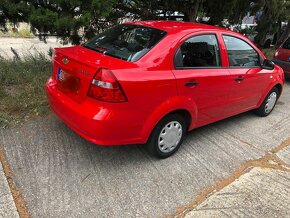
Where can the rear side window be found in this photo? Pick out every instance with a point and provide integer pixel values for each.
(286, 44)
(198, 51)
(240, 53)
(126, 42)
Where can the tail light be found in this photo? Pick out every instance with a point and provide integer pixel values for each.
(105, 87)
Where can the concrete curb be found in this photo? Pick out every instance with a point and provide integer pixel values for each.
(7, 205)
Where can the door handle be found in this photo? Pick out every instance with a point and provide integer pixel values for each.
(239, 79)
(191, 83)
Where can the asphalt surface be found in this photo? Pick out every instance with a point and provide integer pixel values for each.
(62, 175)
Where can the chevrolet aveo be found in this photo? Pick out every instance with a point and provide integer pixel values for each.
(151, 82)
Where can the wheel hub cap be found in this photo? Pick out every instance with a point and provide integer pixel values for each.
(170, 136)
(271, 102)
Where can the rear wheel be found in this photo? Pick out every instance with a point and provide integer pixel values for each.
(269, 103)
(167, 136)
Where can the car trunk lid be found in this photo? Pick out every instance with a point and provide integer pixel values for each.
(74, 69)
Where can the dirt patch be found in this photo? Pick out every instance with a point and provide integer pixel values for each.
(283, 145)
(17, 196)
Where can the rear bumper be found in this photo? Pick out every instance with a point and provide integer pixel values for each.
(284, 65)
(98, 122)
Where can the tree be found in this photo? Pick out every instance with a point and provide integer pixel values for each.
(13, 11)
(270, 13)
(189, 8)
(284, 16)
(239, 11)
(66, 18)
(144, 10)
(73, 20)
(218, 10)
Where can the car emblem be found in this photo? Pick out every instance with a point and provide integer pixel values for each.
(65, 60)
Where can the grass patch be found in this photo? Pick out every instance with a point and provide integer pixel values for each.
(22, 92)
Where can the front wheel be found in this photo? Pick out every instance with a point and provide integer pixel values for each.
(269, 103)
(167, 136)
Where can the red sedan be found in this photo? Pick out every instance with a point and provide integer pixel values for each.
(282, 57)
(151, 82)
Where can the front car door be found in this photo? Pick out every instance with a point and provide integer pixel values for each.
(200, 76)
(249, 80)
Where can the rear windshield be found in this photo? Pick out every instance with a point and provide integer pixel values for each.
(286, 45)
(126, 42)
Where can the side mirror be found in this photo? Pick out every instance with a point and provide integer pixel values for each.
(268, 65)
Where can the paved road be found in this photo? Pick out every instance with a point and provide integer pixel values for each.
(62, 175)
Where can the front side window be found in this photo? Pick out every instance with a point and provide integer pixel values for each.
(240, 53)
(198, 51)
(286, 44)
(126, 42)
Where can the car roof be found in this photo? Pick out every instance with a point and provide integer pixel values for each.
(175, 25)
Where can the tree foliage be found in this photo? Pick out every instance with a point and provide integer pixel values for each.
(74, 19)
(13, 10)
(66, 18)
(268, 23)
(285, 15)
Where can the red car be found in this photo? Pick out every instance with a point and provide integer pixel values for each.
(282, 57)
(150, 82)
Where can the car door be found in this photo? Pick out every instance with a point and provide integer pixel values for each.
(249, 80)
(200, 76)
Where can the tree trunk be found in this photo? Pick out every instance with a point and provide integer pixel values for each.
(191, 13)
(263, 25)
(284, 36)
(192, 17)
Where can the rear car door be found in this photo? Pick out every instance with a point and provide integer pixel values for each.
(249, 80)
(200, 76)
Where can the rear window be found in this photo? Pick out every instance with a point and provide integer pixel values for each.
(126, 42)
(286, 44)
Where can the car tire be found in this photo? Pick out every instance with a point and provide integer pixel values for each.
(161, 145)
(269, 103)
